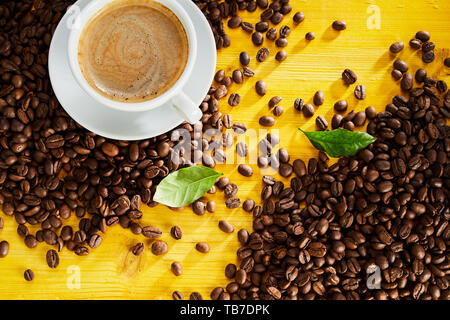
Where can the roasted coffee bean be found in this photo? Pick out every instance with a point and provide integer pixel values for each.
(415, 43)
(177, 295)
(28, 275)
(234, 99)
(428, 57)
(248, 205)
(176, 268)
(230, 190)
(261, 87)
(360, 92)
(248, 72)
(318, 98)
(245, 170)
(396, 74)
(401, 65)
(321, 123)
(272, 34)
(262, 54)
(247, 27)
(238, 76)
(52, 259)
(299, 17)
(428, 46)
(219, 76)
(202, 247)
(244, 58)
(371, 113)
(257, 38)
(239, 128)
(308, 110)
(274, 101)
(407, 82)
(298, 104)
(138, 249)
(234, 22)
(310, 36)
(423, 36)
(211, 206)
(159, 247)
(396, 47)
(285, 31)
(336, 121)
(281, 42)
(225, 226)
(233, 203)
(262, 26)
(266, 121)
(281, 55)
(278, 111)
(359, 119)
(349, 76)
(341, 106)
(4, 248)
(242, 149)
(339, 25)
(151, 232)
(176, 232)
(195, 296)
(198, 207)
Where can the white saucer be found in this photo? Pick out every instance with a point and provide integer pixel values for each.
(118, 125)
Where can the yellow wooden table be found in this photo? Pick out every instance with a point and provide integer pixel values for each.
(110, 272)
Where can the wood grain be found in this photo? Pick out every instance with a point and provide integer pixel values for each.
(110, 272)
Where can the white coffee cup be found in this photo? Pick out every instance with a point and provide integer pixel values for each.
(175, 97)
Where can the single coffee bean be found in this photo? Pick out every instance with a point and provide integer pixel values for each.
(299, 17)
(248, 205)
(230, 190)
(138, 249)
(447, 62)
(271, 34)
(359, 119)
(245, 170)
(242, 149)
(428, 46)
(233, 203)
(396, 47)
(234, 22)
(336, 121)
(407, 82)
(262, 26)
(396, 74)
(278, 111)
(52, 259)
(28, 275)
(281, 55)
(195, 296)
(428, 57)
(360, 92)
(227, 81)
(349, 125)
(257, 38)
(262, 162)
(30, 241)
(198, 207)
(247, 27)
(202, 247)
(298, 104)
(177, 295)
(266, 121)
(261, 87)
(371, 113)
(176, 268)
(423, 36)
(4, 248)
(220, 75)
(415, 43)
(248, 72)
(237, 76)
(285, 31)
(281, 42)
(349, 76)
(234, 99)
(310, 36)
(276, 18)
(230, 271)
(239, 128)
(159, 247)
(274, 101)
(401, 65)
(341, 106)
(244, 58)
(262, 54)
(308, 110)
(321, 123)
(176, 232)
(267, 14)
(318, 98)
(225, 226)
(420, 75)
(211, 206)
(151, 232)
(339, 25)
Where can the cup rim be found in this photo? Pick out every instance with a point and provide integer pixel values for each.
(93, 8)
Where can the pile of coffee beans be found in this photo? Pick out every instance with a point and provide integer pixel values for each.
(374, 226)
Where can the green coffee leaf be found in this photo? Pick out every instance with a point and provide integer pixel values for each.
(183, 187)
(340, 142)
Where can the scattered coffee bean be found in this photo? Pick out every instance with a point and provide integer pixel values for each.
(245, 170)
(272, 34)
(234, 99)
(211, 206)
(177, 295)
(4, 248)
(247, 27)
(397, 47)
(274, 101)
(248, 72)
(248, 205)
(266, 121)
(233, 203)
(52, 259)
(262, 54)
(423, 36)
(349, 76)
(401, 65)
(318, 98)
(310, 36)
(159, 247)
(308, 110)
(360, 92)
(428, 57)
(299, 17)
(242, 149)
(176, 232)
(219, 76)
(257, 38)
(244, 58)
(262, 26)
(371, 113)
(230, 271)
(234, 22)
(336, 121)
(321, 123)
(407, 82)
(138, 249)
(349, 125)
(202, 247)
(281, 42)
(298, 104)
(415, 43)
(339, 25)
(28, 275)
(281, 55)
(195, 296)
(359, 119)
(396, 74)
(176, 268)
(278, 111)
(420, 75)
(341, 106)
(285, 31)
(225, 226)
(237, 77)
(261, 87)
(198, 207)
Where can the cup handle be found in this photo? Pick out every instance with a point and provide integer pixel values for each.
(188, 110)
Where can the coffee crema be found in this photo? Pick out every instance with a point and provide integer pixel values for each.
(133, 51)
